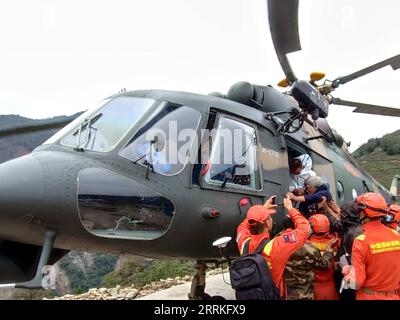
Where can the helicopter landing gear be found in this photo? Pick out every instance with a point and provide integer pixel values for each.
(39, 281)
(199, 283)
(43, 278)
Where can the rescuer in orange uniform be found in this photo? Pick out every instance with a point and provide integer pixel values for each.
(375, 269)
(394, 210)
(280, 248)
(324, 284)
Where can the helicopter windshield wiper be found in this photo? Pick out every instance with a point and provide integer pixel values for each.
(148, 163)
(86, 124)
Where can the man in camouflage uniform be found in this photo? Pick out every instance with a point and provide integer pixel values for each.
(300, 270)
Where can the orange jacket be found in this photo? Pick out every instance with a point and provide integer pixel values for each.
(376, 258)
(280, 248)
(320, 241)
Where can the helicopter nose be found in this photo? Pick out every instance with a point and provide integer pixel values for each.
(21, 191)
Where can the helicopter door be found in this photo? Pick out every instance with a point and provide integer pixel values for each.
(275, 172)
(273, 161)
(324, 169)
(228, 174)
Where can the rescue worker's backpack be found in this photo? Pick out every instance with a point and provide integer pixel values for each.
(250, 276)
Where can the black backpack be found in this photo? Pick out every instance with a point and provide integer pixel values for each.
(250, 276)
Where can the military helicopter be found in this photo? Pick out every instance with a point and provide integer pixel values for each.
(106, 181)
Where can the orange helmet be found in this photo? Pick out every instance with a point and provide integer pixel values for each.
(394, 210)
(373, 204)
(258, 213)
(319, 223)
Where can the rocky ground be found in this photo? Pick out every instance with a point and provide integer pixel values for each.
(130, 293)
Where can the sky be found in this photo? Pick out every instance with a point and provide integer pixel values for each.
(60, 57)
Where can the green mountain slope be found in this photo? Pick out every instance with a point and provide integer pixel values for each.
(381, 157)
(381, 166)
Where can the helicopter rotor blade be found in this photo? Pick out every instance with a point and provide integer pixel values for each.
(394, 62)
(368, 108)
(284, 28)
(43, 125)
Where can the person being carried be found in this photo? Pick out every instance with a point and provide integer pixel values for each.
(316, 193)
(257, 227)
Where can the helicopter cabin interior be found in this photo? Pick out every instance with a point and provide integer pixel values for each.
(311, 161)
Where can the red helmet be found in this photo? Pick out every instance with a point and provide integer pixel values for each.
(394, 210)
(319, 223)
(373, 204)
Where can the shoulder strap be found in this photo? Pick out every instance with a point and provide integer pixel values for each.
(259, 249)
(246, 247)
(261, 246)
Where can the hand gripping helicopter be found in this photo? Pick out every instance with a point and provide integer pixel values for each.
(108, 182)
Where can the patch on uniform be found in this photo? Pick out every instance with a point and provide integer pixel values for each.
(320, 246)
(361, 237)
(385, 246)
(290, 237)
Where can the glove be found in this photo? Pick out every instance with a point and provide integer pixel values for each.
(349, 279)
(346, 270)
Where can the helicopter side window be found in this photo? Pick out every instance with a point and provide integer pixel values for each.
(165, 141)
(114, 206)
(340, 190)
(232, 160)
(101, 129)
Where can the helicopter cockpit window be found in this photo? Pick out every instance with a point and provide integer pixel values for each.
(164, 142)
(101, 129)
(233, 160)
(113, 206)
